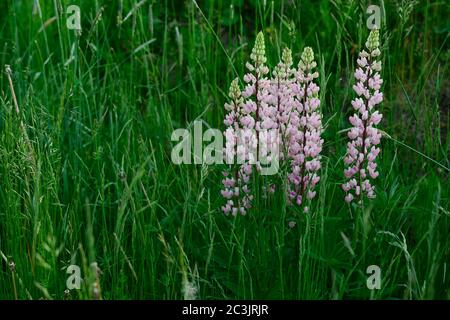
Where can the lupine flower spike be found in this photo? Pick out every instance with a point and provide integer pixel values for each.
(236, 190)
(304, 130)
(258, 115)
(280, 103)
(248, 117)
(362, 148)
(282, 98)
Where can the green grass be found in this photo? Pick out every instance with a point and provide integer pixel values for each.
(90, 178)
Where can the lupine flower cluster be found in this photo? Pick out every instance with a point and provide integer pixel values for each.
(362, 148)
(275, 118)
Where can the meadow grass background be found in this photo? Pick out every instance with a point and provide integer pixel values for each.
(90, 178)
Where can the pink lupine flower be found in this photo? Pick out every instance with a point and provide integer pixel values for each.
(304, 128)
(364, 137)
(282, 99)
(244, 121)
(236, 179)
(257, 104)
(280, 113)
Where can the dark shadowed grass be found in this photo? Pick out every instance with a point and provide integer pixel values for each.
(90, 178)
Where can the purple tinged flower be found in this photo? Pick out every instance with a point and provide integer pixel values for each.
(361, 150)
(349, 198)
(375, 82)
(283, 112)
(249, 90)
(248, 110)
(249, 107)
(360, 89)
(360, 75)
(304, 128)
(229, 119)
(248, 122)
(228, 182)
(357, 103)
(311, 194)
(375, 99)
(375, 118)
(353, 133)
(362, 61)
(237, 177)
(227, 193)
